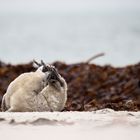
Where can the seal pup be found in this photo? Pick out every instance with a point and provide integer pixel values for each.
(42, 90)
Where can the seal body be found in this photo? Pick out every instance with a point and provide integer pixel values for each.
(33, 92)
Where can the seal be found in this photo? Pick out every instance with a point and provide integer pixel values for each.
(42, 90)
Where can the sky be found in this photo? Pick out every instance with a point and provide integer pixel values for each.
(60, 29)
(67, 5)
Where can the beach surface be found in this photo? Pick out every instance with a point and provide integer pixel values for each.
(103, 124)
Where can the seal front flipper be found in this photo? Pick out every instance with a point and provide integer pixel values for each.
(3, 105)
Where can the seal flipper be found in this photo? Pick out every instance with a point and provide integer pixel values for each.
(3, 105)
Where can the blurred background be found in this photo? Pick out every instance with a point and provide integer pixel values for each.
(70, 31)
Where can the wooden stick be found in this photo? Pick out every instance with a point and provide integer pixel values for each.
(94, 57)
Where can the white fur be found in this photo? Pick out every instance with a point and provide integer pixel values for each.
(30, 92)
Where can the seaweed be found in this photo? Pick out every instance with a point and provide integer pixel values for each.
(90, 87)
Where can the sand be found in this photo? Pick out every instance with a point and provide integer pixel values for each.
(103, 124)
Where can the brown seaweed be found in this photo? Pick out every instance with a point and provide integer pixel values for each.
(90, 87)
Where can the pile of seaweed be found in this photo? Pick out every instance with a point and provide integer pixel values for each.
(90, 87)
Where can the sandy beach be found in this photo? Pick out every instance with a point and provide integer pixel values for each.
(103, 124)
